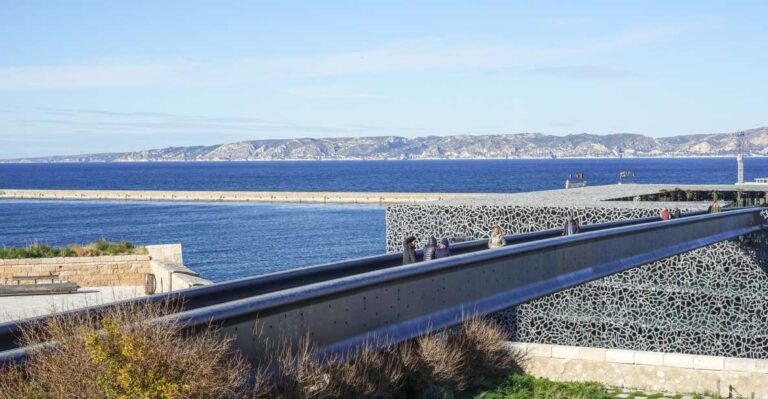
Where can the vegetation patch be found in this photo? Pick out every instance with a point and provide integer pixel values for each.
(128, 352)
(97, 248)
(522, 386)
(125, 354)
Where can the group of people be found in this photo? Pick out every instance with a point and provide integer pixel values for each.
(667, 214)
(435, 250)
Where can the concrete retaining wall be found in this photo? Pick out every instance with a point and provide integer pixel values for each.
(87, 271)
(649, 371)
(167, 265)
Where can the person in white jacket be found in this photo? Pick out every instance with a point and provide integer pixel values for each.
(497, 238)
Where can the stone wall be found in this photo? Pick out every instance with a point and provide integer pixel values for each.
(648, 371)
(164, 261)
(167, 265)
(710, 301)
(87, 271)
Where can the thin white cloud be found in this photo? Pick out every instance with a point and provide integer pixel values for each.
(408, 56)
(330, 93)
(583, 72)
(153, 123)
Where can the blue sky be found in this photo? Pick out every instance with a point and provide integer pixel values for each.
(92, 76)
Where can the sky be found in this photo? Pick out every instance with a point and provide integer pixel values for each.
(94, 76)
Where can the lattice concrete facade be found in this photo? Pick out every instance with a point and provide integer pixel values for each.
(469, 222)
(710, 301)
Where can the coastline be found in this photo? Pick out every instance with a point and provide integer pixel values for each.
(687, 156)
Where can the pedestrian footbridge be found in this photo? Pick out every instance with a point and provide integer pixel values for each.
(344, 304)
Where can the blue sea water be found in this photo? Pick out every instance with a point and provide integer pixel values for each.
(409, 176)
(226, 241)
(220, 241)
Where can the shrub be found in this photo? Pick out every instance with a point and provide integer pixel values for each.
(127, 353)
(439, 362)
(125, 356)
(433, 365)
(97, 248)
(301, 372)
(486, 354)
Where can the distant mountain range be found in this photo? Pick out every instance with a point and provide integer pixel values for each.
(523, 145)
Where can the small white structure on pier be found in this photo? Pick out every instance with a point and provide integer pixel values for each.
(740, 157)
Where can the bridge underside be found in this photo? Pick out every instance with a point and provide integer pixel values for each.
(709, 301)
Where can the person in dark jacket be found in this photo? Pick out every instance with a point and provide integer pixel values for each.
(443, 249)
(409, 250)
(430, 248)
(571, 226)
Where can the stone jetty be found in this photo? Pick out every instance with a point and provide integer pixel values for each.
(237, 196)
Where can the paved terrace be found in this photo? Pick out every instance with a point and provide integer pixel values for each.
(591, 196)
(604, 196)
(25, 306)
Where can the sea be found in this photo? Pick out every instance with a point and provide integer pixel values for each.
(224, 241)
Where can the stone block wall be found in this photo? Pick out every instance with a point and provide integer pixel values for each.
(95, 271)
(649, 371)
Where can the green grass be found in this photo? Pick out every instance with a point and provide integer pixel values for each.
(521, 386)
(97, 248)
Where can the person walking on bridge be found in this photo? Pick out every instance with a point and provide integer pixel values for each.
(497, 238)
(443, 249)
(430, 248)
(714, 207)
(665, 215)
(409, 250)
(571, 226)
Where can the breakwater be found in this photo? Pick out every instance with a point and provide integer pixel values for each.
(236, 196)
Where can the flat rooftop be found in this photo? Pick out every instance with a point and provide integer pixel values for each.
(616, 196)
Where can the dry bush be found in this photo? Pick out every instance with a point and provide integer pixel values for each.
(80, 250)
(466, 357)
(123, 355)
(486, 354)
(439, 363)
(430, 365)
(302, 373)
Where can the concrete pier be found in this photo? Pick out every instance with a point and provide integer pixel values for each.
(238, 196)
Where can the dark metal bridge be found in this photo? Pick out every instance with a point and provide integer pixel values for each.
(341, 305)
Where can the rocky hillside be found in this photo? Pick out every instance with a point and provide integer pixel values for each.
(524, 145)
